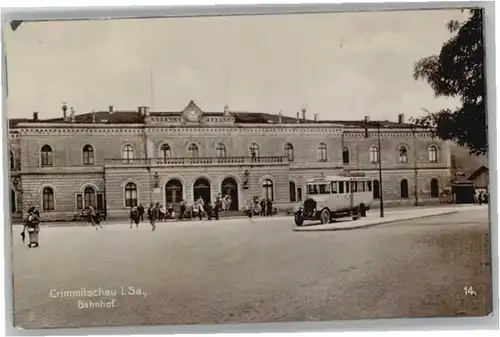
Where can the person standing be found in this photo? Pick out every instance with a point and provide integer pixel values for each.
(141, 212)
(152, 215)
(269, 207)
(32, 225)
(263, 207)
(182, 211)
(134, 217)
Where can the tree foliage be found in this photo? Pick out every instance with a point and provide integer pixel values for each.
(458, 71)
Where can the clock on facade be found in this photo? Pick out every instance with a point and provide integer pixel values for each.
(192, 115)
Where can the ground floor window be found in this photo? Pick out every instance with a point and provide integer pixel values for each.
(131, 195)
(293, 192)
(268, 189)
(48, 200)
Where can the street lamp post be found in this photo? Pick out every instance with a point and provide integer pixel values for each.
(381, 187)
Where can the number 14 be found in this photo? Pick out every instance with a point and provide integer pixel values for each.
(469, 291)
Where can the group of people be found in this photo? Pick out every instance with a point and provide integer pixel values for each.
(154, 213)
(260, 206)
(480, 197)
(32, 226)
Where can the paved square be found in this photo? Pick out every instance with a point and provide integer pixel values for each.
(258, 270)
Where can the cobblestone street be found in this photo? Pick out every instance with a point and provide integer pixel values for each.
(258, 270)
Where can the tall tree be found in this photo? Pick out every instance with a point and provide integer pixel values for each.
(458, 71)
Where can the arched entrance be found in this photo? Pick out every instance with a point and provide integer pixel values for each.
(13, 201)
(89, 197)
(230, 187)
(173, 192)
(201, 188)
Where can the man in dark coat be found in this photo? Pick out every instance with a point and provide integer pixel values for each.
(152, 216)
(263, 207)
(269, 207)
(140, 209)
(134, 217)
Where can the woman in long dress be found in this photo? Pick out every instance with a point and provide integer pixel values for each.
(32, 225)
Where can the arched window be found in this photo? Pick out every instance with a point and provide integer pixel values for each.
(376, 189)
(322, 155)
(433, 154)
(345, 155)
(89, 197)
(403, 154)
(46, 156)
(12, 161)
(193, 150)
(374, 154)
(293, 191)
(404, 189)
(289, 151)
(165, 151)
(254, 150)
(88, 155)
(48, 199)
(221, 150)
(434, 188)
(130, 195)
(128, 154)
(268, 189)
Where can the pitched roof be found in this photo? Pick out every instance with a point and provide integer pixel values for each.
(478, 172)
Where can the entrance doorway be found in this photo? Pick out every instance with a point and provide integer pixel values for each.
(201, 188)
(173, 192)
(230, 187)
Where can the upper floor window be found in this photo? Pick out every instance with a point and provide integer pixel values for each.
(193, 150)
(46, 156)
(165, 151)
(12, 161)
(345, 155)
(128, 154)
(403, 154)
(254, 150)
(289, 152)
(322, 152)
(221, 150)
(433, 154)
(374, 154)
(88, 155)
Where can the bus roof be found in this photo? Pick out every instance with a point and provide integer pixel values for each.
(326, 179)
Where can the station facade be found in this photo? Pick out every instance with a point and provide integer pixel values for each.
(118, 159)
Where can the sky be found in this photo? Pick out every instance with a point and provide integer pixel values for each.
(336, 65)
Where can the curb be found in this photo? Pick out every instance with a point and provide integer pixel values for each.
(126, 221)
(384, 222)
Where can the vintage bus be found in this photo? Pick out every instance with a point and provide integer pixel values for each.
(333, 197)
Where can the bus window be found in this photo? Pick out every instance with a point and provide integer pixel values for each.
(312, 189)
(341, 187)
(354, 186)
(369, 186)
(334, 187)
(361, 186)
(324, 189)
(347, 187)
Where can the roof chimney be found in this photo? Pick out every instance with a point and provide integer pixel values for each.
(280, 117)
(64, 109)
(139, 110)
(315, 117)
(145, 110)
(401, 118)
(304, 115)
(93, 117)
(226, 110)
(35, 116)
(367, 119)
(111, 109)
(298, 117)
(72, 114)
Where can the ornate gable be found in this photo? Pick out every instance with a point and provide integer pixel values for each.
(192, 113)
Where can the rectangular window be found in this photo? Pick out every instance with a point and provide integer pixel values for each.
(79, 201)
(361, 186)
(312, 189)
(354, 186)
(346, 187)
(101, 206)
(341, 187)
(299, 194)
(324, 189)
(334, 187)
(369, 186)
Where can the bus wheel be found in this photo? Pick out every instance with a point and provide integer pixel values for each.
(299, 221)
(362, 210)
(325, 216)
